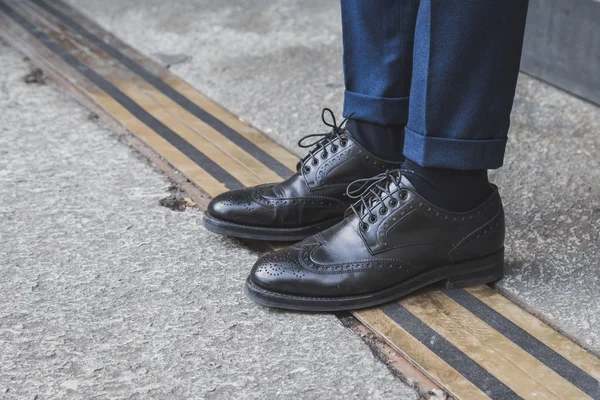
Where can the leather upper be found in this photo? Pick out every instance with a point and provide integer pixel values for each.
(315, 193)
(395, 239)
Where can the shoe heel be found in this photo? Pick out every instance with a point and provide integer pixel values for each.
(477, 272)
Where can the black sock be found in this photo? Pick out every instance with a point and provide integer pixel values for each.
(384, 141)
(450, 189)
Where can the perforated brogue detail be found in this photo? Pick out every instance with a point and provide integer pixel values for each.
(320, 175)
(234, 197)
(496, 225)
(298, 262)
(376, 236)
(237, 198)
(279, 263)
(344, 267)
(309, 201)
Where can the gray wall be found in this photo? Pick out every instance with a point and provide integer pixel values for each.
(562, 45)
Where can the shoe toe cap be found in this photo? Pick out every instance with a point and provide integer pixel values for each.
(279, 272)
(233, 206)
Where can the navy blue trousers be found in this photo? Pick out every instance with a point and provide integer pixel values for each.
(445, 68)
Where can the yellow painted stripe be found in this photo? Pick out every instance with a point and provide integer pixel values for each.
(236, 153)
(243, 128)
(419, 355)
(258, 138)
(425, 308)
(223, 152)
(538, 329)
(488, 336)
(188, 167)
(241, 173)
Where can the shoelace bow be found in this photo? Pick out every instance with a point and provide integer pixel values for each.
(373, 191)
(324, 139)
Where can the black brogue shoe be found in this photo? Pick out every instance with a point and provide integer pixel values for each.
(310, 201)
(393, 243)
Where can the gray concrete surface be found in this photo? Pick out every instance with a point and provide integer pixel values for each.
(105, 294)
(551, 188)
(276, 63)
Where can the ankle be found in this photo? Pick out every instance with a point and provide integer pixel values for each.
(450, 189)
(384, 141)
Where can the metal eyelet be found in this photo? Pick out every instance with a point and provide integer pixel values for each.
(393, 203)
(343, 142)
(364, 227)
(306, 169)
(334, 148)
(315, 162)
(403, 195)
(324, 155)
(372, 218)
(383, 210)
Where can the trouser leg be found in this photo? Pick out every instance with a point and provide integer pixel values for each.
(378, 39)
(465, 68)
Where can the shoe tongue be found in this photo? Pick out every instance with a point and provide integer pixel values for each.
(404, 181)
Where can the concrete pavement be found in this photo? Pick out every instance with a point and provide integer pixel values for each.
(105, 294)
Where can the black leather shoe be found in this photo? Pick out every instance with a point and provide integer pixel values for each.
(312, 200)
(393, 243)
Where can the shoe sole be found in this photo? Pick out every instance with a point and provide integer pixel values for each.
(262, 233)
(454, 276)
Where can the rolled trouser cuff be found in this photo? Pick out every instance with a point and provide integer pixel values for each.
(439, 152)
(377, 110)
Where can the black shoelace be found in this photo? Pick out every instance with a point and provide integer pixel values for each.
(324, 140)
(373, 191)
